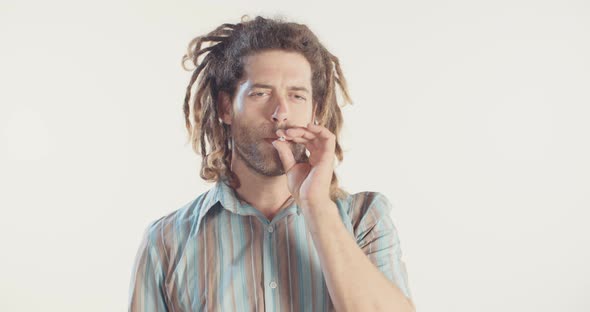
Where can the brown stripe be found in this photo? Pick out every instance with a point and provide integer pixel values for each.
(361, 205)
(310, 251)
(213, 264)
(294, 251)
(172, 284)
(283, 263)
(175, 283)
(161, 249)
(247, 254)
(212, 272)
(201, 262)
(188, 283)
(257, 250)
(229, 232)
(139, 276)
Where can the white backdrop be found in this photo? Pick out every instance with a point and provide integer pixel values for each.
(471, 117)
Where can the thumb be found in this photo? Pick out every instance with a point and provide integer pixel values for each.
(285, 154)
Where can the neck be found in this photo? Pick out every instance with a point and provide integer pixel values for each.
(267, 194)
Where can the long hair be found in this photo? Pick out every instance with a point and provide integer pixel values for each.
(222, 67)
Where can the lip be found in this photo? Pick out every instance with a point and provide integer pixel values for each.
(269, 140)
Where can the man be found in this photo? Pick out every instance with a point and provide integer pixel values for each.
(275, 233)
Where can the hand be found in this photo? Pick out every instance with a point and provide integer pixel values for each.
(309, 183)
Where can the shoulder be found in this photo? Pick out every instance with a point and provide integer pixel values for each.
(170, 231)
(169, 222)
(366, 208)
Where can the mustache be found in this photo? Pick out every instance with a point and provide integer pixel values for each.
(274, 130)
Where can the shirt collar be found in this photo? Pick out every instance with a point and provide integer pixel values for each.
(224, 194)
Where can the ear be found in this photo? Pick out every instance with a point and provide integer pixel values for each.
(224, 107)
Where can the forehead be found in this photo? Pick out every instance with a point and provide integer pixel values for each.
(278, 64)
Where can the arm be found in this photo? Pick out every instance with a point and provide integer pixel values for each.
(354, 282)
(146, 291)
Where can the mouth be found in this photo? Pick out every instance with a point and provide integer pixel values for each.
(269, 140)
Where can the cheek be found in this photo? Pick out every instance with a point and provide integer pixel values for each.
(250, 107)
(311, 111)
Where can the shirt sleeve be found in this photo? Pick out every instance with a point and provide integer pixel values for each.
(377, 236)
(146, 291)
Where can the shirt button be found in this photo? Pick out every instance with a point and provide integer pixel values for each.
(270, 229)
(273, 285)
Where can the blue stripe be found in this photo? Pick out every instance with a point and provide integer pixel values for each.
(215, 209)
(252, 255)
(289, 263)
(236, 264)
(303, 265)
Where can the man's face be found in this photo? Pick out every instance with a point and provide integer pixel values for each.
(275, 93)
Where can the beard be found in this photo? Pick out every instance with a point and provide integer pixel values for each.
(259, 155)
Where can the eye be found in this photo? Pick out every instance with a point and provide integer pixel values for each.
(300, 97)
(257, 93)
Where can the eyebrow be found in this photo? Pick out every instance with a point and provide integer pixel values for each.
(266, 86)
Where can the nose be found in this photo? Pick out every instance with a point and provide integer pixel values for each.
(281, 111)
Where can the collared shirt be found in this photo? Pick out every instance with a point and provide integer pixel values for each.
(218, 253)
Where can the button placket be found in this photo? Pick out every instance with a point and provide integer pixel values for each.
(269, 266)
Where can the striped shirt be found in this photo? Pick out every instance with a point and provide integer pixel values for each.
(218, 253)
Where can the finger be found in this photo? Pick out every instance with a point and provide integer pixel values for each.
(320, 131)
(289, 139)
(285, 154)
(300, 132)
(300, 140)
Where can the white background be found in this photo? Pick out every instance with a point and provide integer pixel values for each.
(472, 117)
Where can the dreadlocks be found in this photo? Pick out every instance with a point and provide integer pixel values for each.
(222, 67)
